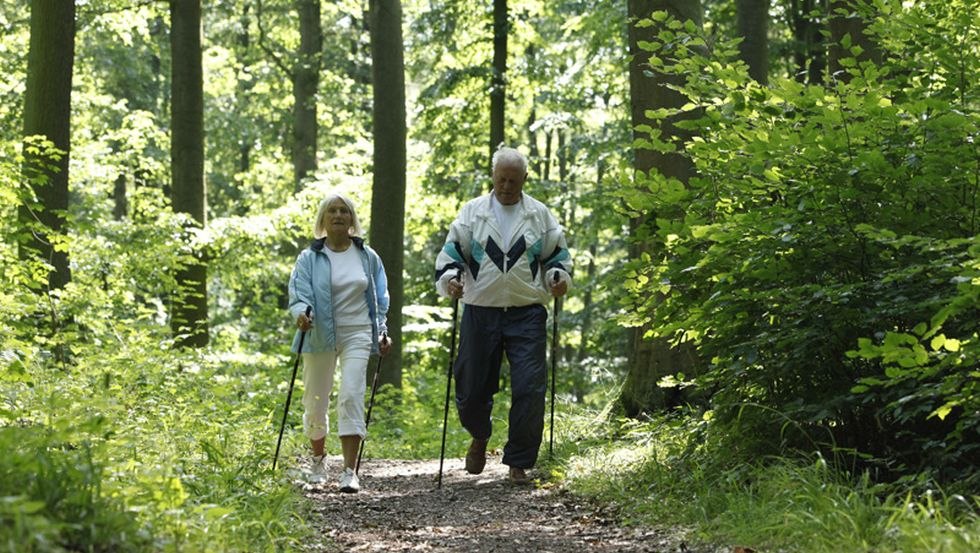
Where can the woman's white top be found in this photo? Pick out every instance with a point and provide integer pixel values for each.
(348, 284)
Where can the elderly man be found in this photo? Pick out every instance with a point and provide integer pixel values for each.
(505, 256)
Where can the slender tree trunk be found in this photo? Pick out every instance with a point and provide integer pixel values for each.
(563, 184)
(388, 196)
(120, 206)
(546, 163)
(189, 317)
(47, 113)
(651, 360)
(498, 81)
(753, 27)
(306, 81)
(809, 54)
(244, 89)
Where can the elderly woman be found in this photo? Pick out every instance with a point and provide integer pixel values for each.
(343, 281)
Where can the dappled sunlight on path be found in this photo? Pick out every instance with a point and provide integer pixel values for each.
(399, 509)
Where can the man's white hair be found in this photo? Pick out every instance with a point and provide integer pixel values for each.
(507, 154)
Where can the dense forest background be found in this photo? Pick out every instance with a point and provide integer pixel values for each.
(772, 207)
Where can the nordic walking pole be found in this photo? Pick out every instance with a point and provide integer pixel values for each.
(554, 361)
(289, 395)
(449, 384)
(367, 419)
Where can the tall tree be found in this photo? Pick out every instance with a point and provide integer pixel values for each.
(388, 196)
(498, 82)
(189, 314)
(306, 81)
(47, 113)
(652, 359)
(753, 26)
(304, 72)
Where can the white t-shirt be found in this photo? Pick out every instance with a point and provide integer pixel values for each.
(347, 285)
(507, 219)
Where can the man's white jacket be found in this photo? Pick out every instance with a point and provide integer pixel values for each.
(492, 277)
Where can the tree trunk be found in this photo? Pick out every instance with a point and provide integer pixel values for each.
(651, 360)
(753, 27)
(844, 21)
(189, 315)
(498, 81)
(47, 113)
(388, 196)
(120, 205)
(306, 81)
(809, 52)
(243, 96)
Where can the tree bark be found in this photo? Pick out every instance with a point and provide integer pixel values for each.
(498, 82)
(47, 113)
(753, 26)
(306, 81)
(390, 164)
(652, 359)
(189, 314)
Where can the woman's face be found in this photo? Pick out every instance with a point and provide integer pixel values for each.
(339, 219)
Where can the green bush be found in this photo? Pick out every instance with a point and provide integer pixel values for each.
(821, 215)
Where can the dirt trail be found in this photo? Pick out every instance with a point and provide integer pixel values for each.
(399, 509)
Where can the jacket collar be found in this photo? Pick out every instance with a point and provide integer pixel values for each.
(320, 243)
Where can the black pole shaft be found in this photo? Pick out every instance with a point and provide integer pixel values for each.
(367, 419)
(554, 362)
(449, 385)
(289, 395)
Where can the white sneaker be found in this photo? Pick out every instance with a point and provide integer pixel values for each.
(349, 482)
(318, 474)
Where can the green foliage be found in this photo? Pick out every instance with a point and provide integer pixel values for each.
(820, 216)
(167, 456)
(112, 440)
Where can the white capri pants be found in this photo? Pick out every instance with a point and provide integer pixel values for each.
(352, 352)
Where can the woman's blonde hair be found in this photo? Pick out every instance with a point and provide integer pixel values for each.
(320, 223)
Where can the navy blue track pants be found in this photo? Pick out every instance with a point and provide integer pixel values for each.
(486, 334)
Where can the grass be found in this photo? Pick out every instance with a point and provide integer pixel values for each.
(656, 476)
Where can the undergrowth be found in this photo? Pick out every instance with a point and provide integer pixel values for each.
(668, 471)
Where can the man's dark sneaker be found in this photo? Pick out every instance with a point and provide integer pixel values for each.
(519, 476)
(476, 457)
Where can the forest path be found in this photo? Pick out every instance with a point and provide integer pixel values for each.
(399, 509)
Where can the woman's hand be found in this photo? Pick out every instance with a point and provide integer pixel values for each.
(303, 322)
(384, 345)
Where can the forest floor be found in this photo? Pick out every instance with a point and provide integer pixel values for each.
(400, 509)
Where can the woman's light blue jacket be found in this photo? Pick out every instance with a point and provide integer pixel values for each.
(309, 286)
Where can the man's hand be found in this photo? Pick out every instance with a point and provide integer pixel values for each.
(455, 288)
(559, 289)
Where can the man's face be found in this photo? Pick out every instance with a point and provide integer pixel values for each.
(508, 182)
